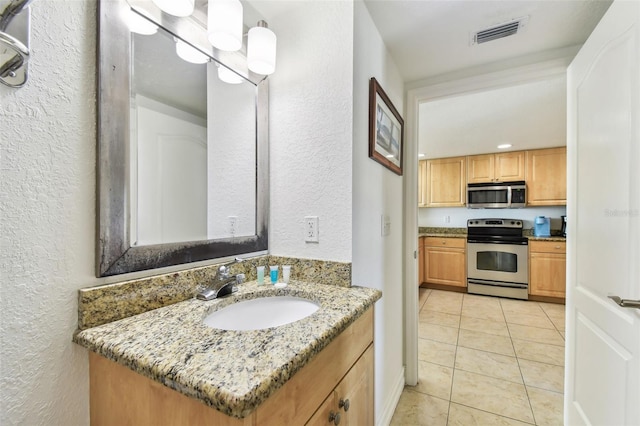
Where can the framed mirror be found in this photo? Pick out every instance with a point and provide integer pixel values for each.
(182, 155)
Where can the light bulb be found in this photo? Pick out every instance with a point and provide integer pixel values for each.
(261, 50)
(138, 24)
(176, 7)
(228, 76)
(224, 24)
(190, 54)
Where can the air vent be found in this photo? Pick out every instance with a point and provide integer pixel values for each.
(499, 31)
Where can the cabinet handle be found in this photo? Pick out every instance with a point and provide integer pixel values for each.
(345, 404)
(334, 417)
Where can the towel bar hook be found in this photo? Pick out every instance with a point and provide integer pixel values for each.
(14, 43)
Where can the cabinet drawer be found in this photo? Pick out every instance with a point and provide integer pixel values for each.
(547, 246)
(445, 242)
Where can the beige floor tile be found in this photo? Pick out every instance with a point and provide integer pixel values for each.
(521, 306)
(439, 333)
(444, 301)
(496, 396)
(436, 352)
(547, 406)
(558, 321)
(423, 294)
(535, 334)
(544, 376)
(482, 307)
(459, 415)
(417, 409)
(478, 301)
(552, 308)
(489, 364)
(439, 318)
(484, 326)
(541, 352)
(563, 334)
(538, 320)
(434, 380)
(485, 342)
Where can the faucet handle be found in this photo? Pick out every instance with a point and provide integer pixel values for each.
(223, 270)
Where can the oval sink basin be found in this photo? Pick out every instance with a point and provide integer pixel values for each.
(261, 313)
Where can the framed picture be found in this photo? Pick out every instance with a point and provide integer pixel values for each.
(385, 129)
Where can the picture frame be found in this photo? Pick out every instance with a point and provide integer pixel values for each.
(386, 129)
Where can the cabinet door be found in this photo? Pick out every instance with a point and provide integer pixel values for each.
(445, 266)
(422, 183)
(354, 394)
(509, 166)
(446, 182)
(480, 168)
(547, 177)
(547, 274)
(328, 410)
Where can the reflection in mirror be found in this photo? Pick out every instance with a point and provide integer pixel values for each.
(182, 156)
(188, 184)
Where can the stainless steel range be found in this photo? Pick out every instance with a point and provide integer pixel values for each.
(497, 258)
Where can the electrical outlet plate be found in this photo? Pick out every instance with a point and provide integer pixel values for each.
(385, 223)
(233, 225)
(311, 229)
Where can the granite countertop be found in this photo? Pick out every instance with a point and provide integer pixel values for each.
(231, 371)
(551, 238)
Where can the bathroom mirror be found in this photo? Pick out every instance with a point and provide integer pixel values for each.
(182, 167)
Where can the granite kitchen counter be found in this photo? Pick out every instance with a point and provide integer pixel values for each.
(551, 238)
(231, 371)
(441, 235)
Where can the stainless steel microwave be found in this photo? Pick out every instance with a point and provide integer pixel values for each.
(497, 195)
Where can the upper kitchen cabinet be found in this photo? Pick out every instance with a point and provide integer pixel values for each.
(422, 183)
(446, 182)
(547, 177)
(499, 167)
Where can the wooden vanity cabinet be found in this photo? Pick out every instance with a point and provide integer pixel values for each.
(547, 268)
(547, 177)
(498, 167)
(446, 182)
(343, 370)
(445, 261)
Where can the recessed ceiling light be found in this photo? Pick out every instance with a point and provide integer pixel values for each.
(505, 146)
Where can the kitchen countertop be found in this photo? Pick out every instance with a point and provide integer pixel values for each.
(231, 371)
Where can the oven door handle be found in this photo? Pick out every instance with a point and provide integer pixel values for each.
(496, 283)
(476, 241)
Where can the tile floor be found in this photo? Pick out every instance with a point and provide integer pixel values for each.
(486, 361)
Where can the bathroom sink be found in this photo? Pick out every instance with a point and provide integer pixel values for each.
(261, 313)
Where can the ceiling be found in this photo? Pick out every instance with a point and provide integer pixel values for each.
(431, 41)
(427, 38)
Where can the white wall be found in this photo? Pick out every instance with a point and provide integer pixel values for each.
(311, 115)
(47, 218)
(378, 260)
(458, 216)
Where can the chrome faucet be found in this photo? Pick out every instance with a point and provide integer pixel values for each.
(223, 283)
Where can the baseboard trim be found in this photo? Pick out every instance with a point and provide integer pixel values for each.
(390, 406)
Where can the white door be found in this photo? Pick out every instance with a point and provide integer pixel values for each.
(603, 340)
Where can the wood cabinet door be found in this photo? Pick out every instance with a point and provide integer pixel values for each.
(445, 266)
(547, 274)
(510, 166)
(446, 182)
(547, 177)
(480, 168)
(354, 394)
(421, 260)
(327, 410)
(422, 183)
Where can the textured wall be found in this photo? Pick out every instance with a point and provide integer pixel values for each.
(47, 210)
(378, 260)
(458, 216)
(311, 114)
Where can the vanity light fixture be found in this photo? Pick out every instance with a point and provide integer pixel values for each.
(138, 24)
(504, 146)
(224, 24)
(261, 50)
(176, 7)
(189, 53)
(228, 76)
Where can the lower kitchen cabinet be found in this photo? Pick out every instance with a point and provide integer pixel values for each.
(547, 268)
(445, 261)
(421, 260)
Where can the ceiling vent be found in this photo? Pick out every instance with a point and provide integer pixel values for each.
(499, 31)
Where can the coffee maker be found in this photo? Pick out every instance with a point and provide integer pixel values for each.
(563, 229)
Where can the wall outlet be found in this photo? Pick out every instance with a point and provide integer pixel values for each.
(385, 225)
(311, 229)
(446, 219)
(233, 225)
